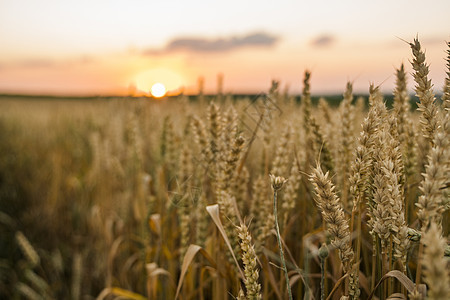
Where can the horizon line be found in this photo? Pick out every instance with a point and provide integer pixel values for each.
(87, 96)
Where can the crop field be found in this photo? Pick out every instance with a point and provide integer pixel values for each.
(223, 197)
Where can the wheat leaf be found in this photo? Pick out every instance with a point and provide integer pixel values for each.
(121, 293)
(404, 280)
(187, 260)
(213, 211)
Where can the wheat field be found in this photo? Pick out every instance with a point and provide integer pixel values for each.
(224, 197)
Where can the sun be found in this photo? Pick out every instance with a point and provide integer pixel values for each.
(149, 81)
(158, 90)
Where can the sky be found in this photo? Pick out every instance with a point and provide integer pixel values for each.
(116, 47)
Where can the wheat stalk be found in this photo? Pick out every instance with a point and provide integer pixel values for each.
(277, 183)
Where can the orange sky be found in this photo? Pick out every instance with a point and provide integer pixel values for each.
(101, 47)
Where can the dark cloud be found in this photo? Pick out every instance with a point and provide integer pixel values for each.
(259, 39)
(323, 41)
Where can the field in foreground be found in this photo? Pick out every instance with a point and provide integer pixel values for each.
(142, 199)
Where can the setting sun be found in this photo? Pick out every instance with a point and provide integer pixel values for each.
(158, 90)
(152, 80)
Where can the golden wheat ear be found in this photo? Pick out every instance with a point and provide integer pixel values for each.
(436, 273)
(250, 260)
(425, 93)
(337, 225)
(27, 249)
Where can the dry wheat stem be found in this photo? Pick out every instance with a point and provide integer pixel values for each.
(277, 183)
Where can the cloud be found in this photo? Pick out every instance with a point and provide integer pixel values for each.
(399, 42)
(36, 63)
(432, 40)
(47, 63)
(258, 39)
(322, 41)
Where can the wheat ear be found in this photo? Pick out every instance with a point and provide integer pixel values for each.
(337, 225)
(249, 259)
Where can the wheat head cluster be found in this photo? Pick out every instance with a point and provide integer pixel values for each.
(226, 197)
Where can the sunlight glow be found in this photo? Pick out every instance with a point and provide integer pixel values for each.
(158, 90)
(145, 80)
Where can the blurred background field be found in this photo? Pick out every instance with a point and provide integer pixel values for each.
(103, 196)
